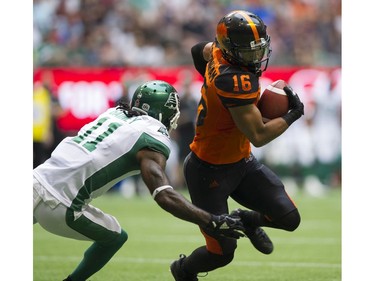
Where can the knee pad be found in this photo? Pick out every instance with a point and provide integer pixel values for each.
(122, 238)
(117, 241)
(290, 221)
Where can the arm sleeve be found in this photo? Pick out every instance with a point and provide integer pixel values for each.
(198, 59)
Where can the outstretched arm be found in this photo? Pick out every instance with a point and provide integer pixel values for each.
(152, 170)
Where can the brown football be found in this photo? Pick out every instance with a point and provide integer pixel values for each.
(273, 102)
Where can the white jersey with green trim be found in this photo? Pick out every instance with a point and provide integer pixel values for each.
(103, 153)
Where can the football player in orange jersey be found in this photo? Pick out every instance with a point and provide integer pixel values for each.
(221, 164)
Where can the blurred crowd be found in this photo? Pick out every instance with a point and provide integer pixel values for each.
(120, 33)
(161, 32)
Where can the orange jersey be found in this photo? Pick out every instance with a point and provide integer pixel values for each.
(217, 139)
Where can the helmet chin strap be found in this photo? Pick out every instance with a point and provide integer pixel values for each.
(139, 110)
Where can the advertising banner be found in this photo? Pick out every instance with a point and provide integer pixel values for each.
(83, 93)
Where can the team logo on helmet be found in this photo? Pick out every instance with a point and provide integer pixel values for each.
(172, 101)
(222, 31)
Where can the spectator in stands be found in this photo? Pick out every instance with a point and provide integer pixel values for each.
(95, 32)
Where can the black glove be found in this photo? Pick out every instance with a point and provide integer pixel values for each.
(226, 225)
(295, 105)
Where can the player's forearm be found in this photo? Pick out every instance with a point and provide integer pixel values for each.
(249, 121)
(174, 203)
(271, 130)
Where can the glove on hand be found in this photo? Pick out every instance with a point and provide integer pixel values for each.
(226, 225)
(295, 105)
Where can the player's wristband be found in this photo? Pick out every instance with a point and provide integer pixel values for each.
(159, 189)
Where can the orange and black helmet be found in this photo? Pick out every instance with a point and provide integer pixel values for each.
(243, 39)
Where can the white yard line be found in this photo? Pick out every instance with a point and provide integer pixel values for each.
(167, 261)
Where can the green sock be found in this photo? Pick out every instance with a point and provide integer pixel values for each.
(96, 256)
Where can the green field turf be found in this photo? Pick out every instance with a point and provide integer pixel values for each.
(156, 238)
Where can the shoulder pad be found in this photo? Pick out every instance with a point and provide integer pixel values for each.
(237, 82)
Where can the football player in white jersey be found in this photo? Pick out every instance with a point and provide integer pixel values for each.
(123, 141)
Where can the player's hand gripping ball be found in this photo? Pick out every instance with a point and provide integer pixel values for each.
(274, 101)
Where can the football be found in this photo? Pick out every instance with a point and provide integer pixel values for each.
(274, 101)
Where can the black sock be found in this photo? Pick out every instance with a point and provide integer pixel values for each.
(202, 260)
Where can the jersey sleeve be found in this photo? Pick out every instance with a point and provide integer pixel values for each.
(155, 137)
(198, 59)
(156, 145)
(237, 88)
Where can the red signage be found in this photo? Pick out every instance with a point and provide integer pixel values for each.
(84, 93)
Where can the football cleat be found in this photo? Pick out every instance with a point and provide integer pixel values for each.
(260, 240)
(257, 236)
(179, 273)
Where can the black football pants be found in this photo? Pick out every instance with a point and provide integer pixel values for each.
(248, 182)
